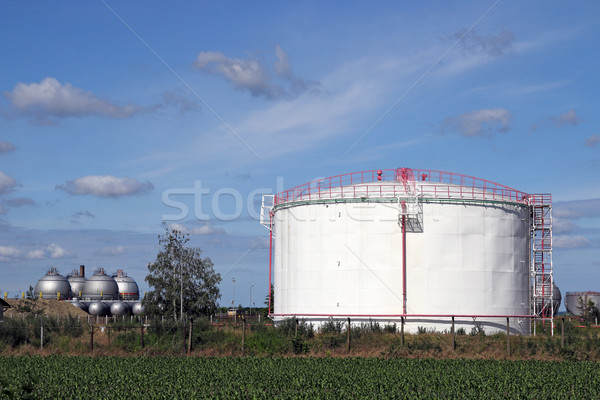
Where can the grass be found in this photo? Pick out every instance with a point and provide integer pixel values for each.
(291, 338)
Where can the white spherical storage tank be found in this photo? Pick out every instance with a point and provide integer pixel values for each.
(415, 245)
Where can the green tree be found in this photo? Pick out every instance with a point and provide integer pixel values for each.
(182, 282)
(588, 309)
(272, 300)
(30, 294)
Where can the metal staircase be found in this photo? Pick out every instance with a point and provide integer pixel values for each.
(266, 220)
(411, 207)
(542, 288)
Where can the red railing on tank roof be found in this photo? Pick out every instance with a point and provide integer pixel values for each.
(453, 185)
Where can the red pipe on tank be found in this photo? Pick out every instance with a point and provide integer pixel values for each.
(403, 257)
(270, 258)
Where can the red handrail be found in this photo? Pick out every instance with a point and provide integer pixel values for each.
(453, 185)
(405, 315)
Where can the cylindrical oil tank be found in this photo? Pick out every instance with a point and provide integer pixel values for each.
(100, 286)
(138, 308)
(426, 245)
(77, 283)
(574, 301)
(119, 308)
(53, 286)
(98, 308)
(128, 288)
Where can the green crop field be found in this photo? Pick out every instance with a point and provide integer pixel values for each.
(61, 377)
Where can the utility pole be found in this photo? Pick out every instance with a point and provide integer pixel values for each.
(233, 297)
(251, 299)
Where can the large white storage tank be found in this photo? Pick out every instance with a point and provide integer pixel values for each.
(424, 245)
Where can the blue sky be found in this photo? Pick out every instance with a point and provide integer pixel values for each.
(106, 108)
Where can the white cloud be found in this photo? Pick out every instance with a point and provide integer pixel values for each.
(568, 118)
(243, 74)
(80, 214)
(50, 98)
(562, 225)
(180, 100)
(480, 122)
(105, 186)
(251, 75)
(577, 209)
(569, 242)
(6, 204)
(7, 184)
(592, 141)
(51, 251)
(206, 229)
(6, 147)
(8, 253)
(111, 251)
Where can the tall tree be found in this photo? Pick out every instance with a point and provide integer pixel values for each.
(183, 283)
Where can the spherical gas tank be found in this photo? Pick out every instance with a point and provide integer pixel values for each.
(138, 309)
(100, 286)
(98, 308)
(119, 308)
(556, 298)
(53, 286)
(128, 288)
(77, 284)
(80, 305)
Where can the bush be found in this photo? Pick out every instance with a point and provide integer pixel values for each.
(269, 341)
(288, 328)
(14, 332)
(299, 346)
(424, 343)
(477, 330)
(332, 326)
(332, 340)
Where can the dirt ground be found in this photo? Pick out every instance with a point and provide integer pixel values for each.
(43, 307)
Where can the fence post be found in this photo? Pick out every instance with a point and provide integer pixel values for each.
(453, 335)
(92, 338)
(295, 326)
(562, 332)
(402, 331)
(508, 336)
(184, 338)
(42, 334)
(142, 335)
(243, 333)
(190, 336)
(348, 335)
